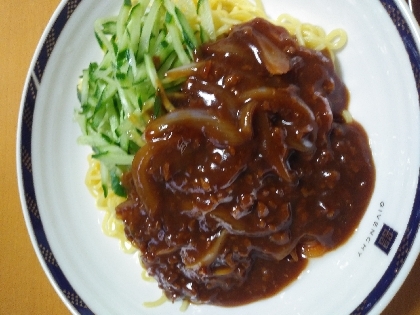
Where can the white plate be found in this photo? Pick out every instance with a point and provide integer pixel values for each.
(380, 67)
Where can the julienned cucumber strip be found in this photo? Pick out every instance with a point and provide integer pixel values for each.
(122, 93)
(207, 31)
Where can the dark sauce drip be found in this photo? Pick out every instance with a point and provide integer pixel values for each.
(254, 172)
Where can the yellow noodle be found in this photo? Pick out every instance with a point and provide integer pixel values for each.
(158, 302)
(225, 14)
(184, 306)
(146, 277)
(111, 225)
(312, 36)
(348, 118)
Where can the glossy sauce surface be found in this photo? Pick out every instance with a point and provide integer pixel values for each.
(255, 171)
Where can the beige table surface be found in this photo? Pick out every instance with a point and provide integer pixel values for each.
(24, 288)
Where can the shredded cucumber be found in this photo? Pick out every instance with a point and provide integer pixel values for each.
(207, 31)
(122, 93)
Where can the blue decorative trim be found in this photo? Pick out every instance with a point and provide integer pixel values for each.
(413, 224)
(52, 37)
(26, 158)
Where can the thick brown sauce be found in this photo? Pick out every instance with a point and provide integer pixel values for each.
(254, 172)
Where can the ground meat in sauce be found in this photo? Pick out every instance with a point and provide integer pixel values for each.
(254, 171)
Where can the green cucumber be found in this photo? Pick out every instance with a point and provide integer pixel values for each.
(125, 90)
(207, 31)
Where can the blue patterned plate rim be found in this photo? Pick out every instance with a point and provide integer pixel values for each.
(61, 284)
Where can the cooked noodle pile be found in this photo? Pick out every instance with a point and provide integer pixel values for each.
(233, 186)
(255, 170)
(225, 14)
